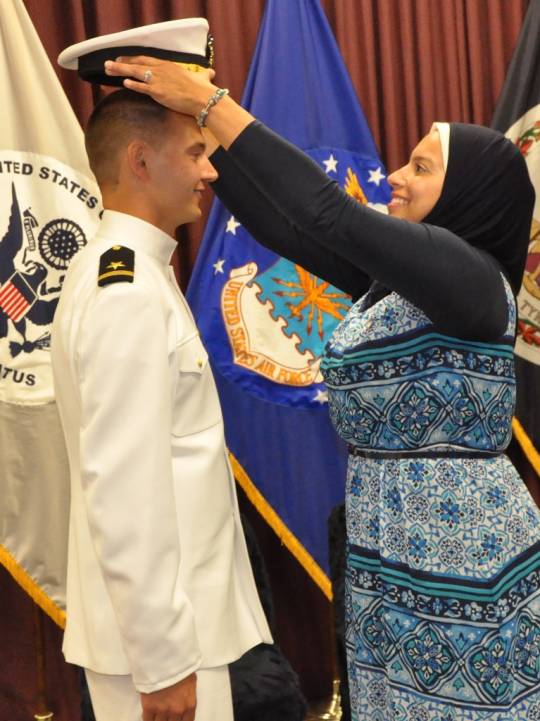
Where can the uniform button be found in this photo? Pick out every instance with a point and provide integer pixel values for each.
(200, 363)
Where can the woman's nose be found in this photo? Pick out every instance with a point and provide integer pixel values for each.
(397, 178)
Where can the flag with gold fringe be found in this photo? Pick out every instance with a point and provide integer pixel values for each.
(265, 320)
(49, 206)
(518, 116)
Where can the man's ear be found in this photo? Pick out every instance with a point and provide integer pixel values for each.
(137, 157)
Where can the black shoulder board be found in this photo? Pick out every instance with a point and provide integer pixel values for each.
(116, 265)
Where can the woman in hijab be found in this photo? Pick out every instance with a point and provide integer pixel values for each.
(443, 576)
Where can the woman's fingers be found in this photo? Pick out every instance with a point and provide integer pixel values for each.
(135, 67)
(132, 70)
(138, 60)
(135, 73)
(168, 83)
(143, 88)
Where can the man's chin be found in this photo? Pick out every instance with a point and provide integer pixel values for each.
(191, 216)
(197, 213)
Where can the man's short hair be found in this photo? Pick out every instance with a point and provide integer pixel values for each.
(115, 121)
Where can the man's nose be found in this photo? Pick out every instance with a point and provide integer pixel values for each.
(209, 173)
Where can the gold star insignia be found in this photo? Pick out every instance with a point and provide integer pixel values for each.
(115, 264)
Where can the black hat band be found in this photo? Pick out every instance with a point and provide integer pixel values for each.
(91, 65)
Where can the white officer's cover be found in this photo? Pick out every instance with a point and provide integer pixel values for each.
(184, 36)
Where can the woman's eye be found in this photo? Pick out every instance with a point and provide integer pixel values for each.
(419, 168)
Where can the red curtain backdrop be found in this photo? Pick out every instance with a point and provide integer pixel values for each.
(411, 62)
(416, 61)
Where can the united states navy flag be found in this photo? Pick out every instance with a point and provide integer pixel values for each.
(265, 320)
(49, 207)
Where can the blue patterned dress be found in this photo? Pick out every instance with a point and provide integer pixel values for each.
(443, 578)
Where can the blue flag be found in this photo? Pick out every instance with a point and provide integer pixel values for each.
(264, 320)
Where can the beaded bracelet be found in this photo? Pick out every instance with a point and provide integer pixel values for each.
(213, 100)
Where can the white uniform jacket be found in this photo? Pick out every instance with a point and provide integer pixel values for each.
(159, 581)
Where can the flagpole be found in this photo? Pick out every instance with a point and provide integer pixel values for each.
(331, 710)
(43, 714)
(334, 711)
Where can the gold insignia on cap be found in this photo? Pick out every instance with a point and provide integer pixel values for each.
(192, 67)
(210, 51)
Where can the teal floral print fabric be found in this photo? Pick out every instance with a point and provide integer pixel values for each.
(443, 576)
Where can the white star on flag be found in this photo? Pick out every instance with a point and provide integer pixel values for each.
(232, 225)
(321, 396)
(375, 176)
(218, 266)
(330, 164)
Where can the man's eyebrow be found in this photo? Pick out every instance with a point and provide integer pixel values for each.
(198, 147)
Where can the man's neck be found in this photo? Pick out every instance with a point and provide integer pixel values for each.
(136, 206)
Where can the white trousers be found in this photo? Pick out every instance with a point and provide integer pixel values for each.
(115, 698)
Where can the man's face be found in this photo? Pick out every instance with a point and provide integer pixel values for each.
(178, 170)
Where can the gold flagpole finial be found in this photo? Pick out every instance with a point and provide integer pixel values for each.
(333, 711)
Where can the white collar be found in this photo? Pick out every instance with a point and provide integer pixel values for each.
(138, 234)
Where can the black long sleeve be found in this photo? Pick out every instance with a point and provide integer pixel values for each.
(273, 230)
(459, 287)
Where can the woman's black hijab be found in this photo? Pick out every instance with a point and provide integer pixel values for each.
(487, 197)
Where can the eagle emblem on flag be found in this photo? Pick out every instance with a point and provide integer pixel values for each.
(27, 300)
(525, 132)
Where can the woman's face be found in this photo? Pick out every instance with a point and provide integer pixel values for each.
(416, 187)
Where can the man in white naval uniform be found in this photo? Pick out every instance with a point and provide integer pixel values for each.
(160, 593)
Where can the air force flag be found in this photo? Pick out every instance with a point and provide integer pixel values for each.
(265, 320)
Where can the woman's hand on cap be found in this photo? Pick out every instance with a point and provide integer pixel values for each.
(168, 83)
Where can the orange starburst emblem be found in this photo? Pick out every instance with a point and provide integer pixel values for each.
(353, 188)
(312, 293)
(313, 299)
